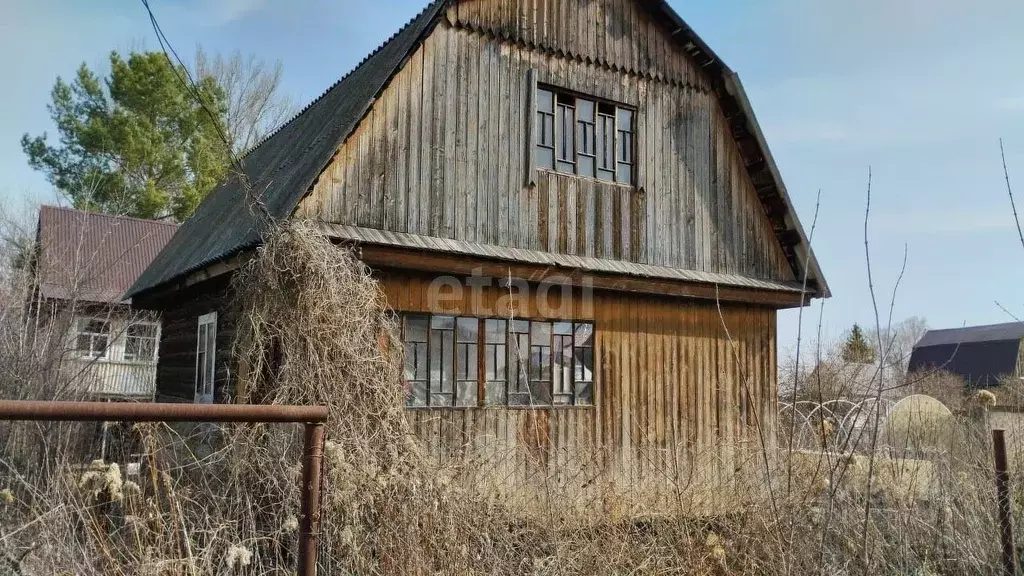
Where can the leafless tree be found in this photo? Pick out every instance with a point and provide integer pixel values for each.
(899, 339)
(256, 105)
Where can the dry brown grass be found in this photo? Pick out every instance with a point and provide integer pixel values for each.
(313, 328)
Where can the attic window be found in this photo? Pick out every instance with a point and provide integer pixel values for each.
(584, 136)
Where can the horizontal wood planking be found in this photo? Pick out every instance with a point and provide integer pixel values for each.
(673, 393)
(693, 207)
(176, 365)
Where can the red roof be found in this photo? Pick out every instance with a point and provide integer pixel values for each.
(94, 257)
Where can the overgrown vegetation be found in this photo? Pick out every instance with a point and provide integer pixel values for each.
(313, 328)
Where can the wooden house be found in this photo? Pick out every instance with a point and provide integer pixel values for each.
(595, 153)
(83, 263)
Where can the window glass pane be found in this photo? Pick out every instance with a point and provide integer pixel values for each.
(562, 367)
(562, 327)
(99, 345)
(416, 393)
(441, 361)
(606, 147)
(83, 344)
(442, 322)
(584, 333)
(416, 372)
(496, 373)
(97, 326)
(585, 166)
(625, 120)
(467, 394)
(140, 349)
(518, 365)
(585, 109)
(625, 147)
(540, 375)
(467, 329)
(565, 148)
(545, 158)
(495, 331)
(142, 330)
(540, 332)
(545, 101)
(519, 326)
(625, 174)
(416, 329)
(583, 369)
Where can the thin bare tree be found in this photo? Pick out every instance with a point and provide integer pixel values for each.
(256, 105)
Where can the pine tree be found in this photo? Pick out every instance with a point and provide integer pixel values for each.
(856, 348)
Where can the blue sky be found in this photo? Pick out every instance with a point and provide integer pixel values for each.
(920, 90)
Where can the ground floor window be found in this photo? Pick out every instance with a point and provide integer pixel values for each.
(206, 357)
(140, 342)
(467, 361)
(92, 337)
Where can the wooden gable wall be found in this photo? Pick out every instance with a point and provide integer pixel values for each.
(443, 151)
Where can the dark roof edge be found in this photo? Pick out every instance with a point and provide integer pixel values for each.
(437, 6)
(371, 54)
(800, 255)
(804, 251)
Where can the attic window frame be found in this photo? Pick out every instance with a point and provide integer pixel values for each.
(607, 165)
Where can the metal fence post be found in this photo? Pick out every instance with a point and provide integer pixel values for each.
(1003, 498)
(309, 528)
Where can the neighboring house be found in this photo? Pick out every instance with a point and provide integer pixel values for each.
(594, 144)
(855, 381)
(983, 356)
(84, 262)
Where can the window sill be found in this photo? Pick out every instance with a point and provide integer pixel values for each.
(588, 178)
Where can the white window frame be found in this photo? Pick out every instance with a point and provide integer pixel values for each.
(156, 341)
(206, 360)
(82, 321)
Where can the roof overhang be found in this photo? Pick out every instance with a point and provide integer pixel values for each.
(396, 250)
(764, 173)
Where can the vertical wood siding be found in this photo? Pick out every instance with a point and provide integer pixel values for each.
(674, 396)
(443, 151)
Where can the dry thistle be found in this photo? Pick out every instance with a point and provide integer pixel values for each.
(291, 524)
(238, 556)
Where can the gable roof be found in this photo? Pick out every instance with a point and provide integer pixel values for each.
(93, 257)
(981, 355)
(988, 333)
(284, 166)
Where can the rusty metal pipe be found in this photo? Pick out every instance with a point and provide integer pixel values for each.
(1009, 563)
(309, 525)
(158, 412)
(312, 458)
